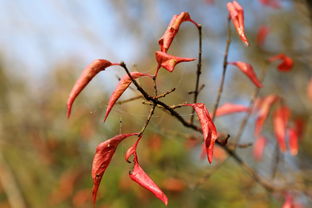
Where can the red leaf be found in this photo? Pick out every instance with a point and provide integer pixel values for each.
(236, 14)
(309, 90)
(173, 28)
(120, 89)
(103, 156)
(286, 62)
(229, 108)
(209, 129)
(139, 176)
(280, 120)
(87, 75)
(168, 62)
(263, 112)
(293, 141)
(299, 126)
(247, 69)
(258, 147)
(275, 4)
(261, 35)
(289, 202)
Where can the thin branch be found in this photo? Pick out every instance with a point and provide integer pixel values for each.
(269, 187)
(225, 64)
(165, 94)
(250, 109)
(148, 119)
(130, 99)
(198, 72)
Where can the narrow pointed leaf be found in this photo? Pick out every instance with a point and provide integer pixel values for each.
(229, 108)
(121, 88)
(173, 28)
(87, 75)
(263, 112)
(168, 62)
(102, 158)
(247, 69)
(139, 176)
(280, 120)
(286, 62)
(236, 13)
(208, 128)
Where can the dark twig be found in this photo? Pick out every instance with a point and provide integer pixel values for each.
(148, 119)
(225, 64)
(199, 90)
(165, 94)
(198, 72)
(175, 114)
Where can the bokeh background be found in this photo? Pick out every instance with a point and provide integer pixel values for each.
(45, 159)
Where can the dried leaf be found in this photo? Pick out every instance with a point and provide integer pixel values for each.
(247, 69)
(139, 176)
(280, 120)
(173, 28)
(286, 62)
(208, 128)
(121, 88)
(168, 62)
(87, 75)
(259, 147)
(236, 14)
(263, 112)
(229, 108)
(102, 158)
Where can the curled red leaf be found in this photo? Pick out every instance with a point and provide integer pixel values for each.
(139, 176)
(229, 108)
(286, 62)
(87, 75)
(173, 28)
(208, 128)
(247, 69)
(120, 89)
(236, 14)
(275, 4)
(263, 112)
(102, 158)
(280, 120)
(261, 35)
(259, 147)
(168, 62)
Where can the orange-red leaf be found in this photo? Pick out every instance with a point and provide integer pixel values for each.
(293, 140)
(263, 112)
(229, 108)
(286, 62)
(102, 158)
(120, 89)
(275, 4)
(309, 90)
(280, 120)
(208, 128)
(168, 62)
(173, 28)
(247, 69)
(261, 35)
(259, 147)
(236, 14)
(139, 176)
(87, 75)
